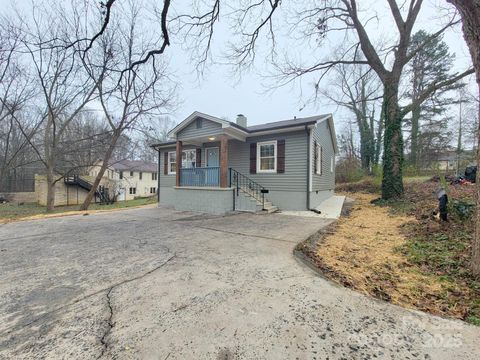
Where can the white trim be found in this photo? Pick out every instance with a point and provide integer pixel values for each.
(275, 156)
(192, 117)
(174, 152)
(206, 150)
(310, 166)
(332, 164)
(169, 162)
(319, 164)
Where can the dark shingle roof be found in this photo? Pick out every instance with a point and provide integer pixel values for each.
(285, 123)
(134, 165)
(268, 126)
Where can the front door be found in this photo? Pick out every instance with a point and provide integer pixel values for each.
(212, 161)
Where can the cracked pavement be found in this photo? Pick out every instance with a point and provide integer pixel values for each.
(153, 283)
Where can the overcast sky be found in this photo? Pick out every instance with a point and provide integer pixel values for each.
(217, 94)
(220, 95)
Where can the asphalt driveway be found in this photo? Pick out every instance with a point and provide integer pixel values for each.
(158, 284)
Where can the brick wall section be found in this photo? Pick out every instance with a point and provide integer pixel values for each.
(217, 201)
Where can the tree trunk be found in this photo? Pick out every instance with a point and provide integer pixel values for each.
(470, 13)
(98, 178)
(392, 182)
(378, 140)
(414, 137)
(50, 186)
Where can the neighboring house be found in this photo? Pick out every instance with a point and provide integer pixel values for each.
(217, 166)
(448, 160)
(133, 178)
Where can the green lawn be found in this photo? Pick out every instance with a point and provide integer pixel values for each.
(15, 211)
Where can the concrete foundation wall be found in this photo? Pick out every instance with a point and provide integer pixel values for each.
(20, 197)
(288, 200)
(246, 203)
(317, 197)
(216, 201)
(167, 195)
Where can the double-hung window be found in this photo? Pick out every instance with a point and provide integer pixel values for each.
(172, 162)
(189, 158)
(319, 163)
(267, 157)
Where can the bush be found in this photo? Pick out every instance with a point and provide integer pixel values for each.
(349, 170)
(462, 210)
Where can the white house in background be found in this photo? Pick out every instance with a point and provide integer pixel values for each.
(133, 178)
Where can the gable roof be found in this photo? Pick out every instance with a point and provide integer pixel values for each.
(195, 115)
(255, 129)
(133, 165)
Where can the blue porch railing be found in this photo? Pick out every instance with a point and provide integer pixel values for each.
(201, 176)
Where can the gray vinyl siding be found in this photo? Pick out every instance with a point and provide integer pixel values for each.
(295, 176)
(165, 180)
(323, 136)
(208, 128)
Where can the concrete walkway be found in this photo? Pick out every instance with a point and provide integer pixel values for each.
(159, 284)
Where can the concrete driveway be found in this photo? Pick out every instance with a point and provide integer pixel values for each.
(158, 284)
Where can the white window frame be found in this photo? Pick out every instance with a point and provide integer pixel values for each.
(319, 160)
(275, 156)
(170, 172)
(332, 163)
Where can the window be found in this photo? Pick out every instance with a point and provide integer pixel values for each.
(199, 123)
(131, 173)
(154, 176)
(172, 164)
(140, 175)
(319, 163)
(121, 174)
(153, 190)
(267, 156)
(332, 164)
(189, 158)
(132, 191)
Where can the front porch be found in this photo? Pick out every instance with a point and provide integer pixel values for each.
(204, 166)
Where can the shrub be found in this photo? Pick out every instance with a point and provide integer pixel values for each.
(349, 170)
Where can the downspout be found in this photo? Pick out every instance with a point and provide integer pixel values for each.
(307, 130)
(158, 177)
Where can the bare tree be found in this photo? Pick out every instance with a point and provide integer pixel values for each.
(15, 93)
(358, 90)
(64, 88)
(470, 13)
(130, 97)
(333, 16)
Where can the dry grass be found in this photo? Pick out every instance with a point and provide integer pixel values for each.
(363, 251)
(394, 253)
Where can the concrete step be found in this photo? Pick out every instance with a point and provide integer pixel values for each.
(270, 209)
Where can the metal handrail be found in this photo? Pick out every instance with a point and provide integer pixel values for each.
(244, 183)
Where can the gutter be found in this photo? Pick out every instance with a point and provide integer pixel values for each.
(307, 130)
(158, 178)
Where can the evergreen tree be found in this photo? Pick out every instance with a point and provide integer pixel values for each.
(428, 123)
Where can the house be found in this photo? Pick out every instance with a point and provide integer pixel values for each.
(216, 166)
(132, 178)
